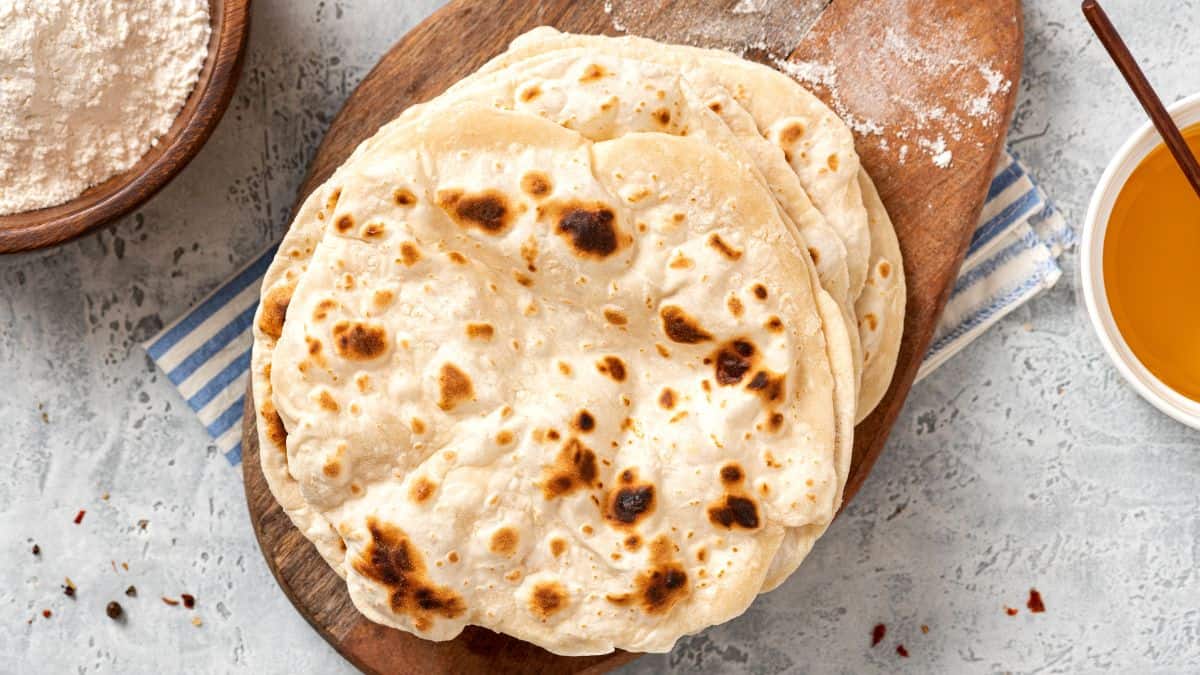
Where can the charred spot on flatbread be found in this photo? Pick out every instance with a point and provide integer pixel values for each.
(665, 583)
(682, 327)
(404, 197)
(613, 367)
(734, 511)
(536, 184)
(593, 73)
(504, 541)
(454, 387)
(575, 468)
(629, 501)
(480, 331)
(358, 341)
(275, 431)
(548, 598)
(723, 247)
(274, 309)
(421, 490)
(666, 399)
(589, 228)
(391, 560)
(733, 360)
(409, 254)
(770, 387)
(488, 211)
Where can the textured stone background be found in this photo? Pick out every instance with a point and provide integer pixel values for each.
(1024, 462)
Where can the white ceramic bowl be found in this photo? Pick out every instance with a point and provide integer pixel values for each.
(1182, 408)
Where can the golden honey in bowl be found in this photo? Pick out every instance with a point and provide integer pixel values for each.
(1152, 268)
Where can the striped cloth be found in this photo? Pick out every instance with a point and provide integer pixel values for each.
(1012, 257)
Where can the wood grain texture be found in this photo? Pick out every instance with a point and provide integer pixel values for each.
(103, 203)
(934, 209)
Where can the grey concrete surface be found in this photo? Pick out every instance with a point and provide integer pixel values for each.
(1025, 462)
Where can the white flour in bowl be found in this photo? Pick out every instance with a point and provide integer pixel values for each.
(87, 87)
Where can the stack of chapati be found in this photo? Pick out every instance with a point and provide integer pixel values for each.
(575, 351)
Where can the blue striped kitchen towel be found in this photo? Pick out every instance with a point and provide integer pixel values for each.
(1012, 257)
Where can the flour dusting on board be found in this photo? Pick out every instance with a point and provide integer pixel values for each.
(746, 7)
(870, 105)
(880, 95)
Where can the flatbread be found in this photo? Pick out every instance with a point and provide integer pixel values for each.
(602, 96)
(880, 306)
(278, 283)
(817, 145)
(798, 541)
(476, 365)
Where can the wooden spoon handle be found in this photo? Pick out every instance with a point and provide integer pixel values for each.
(1128, 66)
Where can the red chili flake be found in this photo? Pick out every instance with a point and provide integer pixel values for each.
(877, 634)
(189, 600)
(1035, 604)
(902, 651)
(79, 516)
(47, 613)
(37, 550)
(170, 601)
(1011, 611)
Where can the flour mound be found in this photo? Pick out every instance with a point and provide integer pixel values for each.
(87, 87)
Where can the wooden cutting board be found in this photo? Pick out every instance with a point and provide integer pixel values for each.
(927, 85)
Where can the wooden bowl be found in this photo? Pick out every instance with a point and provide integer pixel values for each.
(103, 203)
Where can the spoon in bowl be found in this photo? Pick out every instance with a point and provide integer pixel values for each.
(1111, 39)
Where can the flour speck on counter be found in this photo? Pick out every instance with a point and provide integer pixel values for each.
(87, 87)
